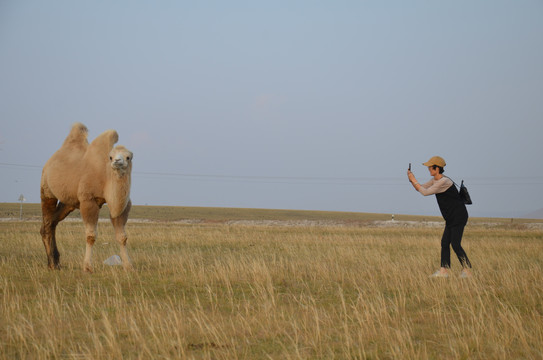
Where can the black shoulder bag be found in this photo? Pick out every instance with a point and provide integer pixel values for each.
(463, 192)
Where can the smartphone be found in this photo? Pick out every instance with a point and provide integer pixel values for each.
(409, 167)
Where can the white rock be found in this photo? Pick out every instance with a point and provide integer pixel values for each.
(113, 260)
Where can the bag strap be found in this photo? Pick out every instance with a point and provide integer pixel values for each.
(462, 184)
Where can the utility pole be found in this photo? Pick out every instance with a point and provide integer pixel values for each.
(21, 200)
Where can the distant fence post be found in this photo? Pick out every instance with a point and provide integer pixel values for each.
(21, 200)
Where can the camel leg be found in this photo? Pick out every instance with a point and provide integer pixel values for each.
(48, 228)
(63, 211)
(120, 235)
(53, 212)
(89, 213)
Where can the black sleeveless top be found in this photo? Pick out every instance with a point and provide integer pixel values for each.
(452, 207)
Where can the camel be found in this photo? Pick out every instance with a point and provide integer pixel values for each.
(86, 176)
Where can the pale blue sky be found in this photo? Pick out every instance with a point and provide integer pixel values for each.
(285, 104)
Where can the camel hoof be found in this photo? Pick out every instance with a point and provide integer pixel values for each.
(87, 269)
(129, 268)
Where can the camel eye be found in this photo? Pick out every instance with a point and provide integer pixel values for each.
(110, 158)
(128, 158)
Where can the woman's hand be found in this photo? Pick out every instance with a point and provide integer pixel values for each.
(413, 180)
(411, 177)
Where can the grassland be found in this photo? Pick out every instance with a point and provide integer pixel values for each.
(222, 215)
(213, 290)
(206, 214)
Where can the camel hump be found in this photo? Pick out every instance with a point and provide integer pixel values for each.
(104, 143)
(78, 134)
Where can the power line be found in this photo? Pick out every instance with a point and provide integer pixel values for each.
(249, 178)
(20, 165)
(256, 177)
(532, 180)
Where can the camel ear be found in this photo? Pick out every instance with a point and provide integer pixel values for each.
(78, 134)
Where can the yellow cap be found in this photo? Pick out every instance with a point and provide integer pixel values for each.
(435, 160)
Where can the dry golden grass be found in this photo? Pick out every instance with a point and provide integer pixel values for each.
(269, 292)
(220, 215)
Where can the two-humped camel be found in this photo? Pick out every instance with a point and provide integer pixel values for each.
(86, 176)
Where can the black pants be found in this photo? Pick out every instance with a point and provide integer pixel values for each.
(452, 235)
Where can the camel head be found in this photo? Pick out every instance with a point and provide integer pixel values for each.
(120, 159)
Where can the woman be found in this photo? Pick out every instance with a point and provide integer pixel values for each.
(453, 210)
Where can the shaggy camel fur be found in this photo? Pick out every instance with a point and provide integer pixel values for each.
(86, 176)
